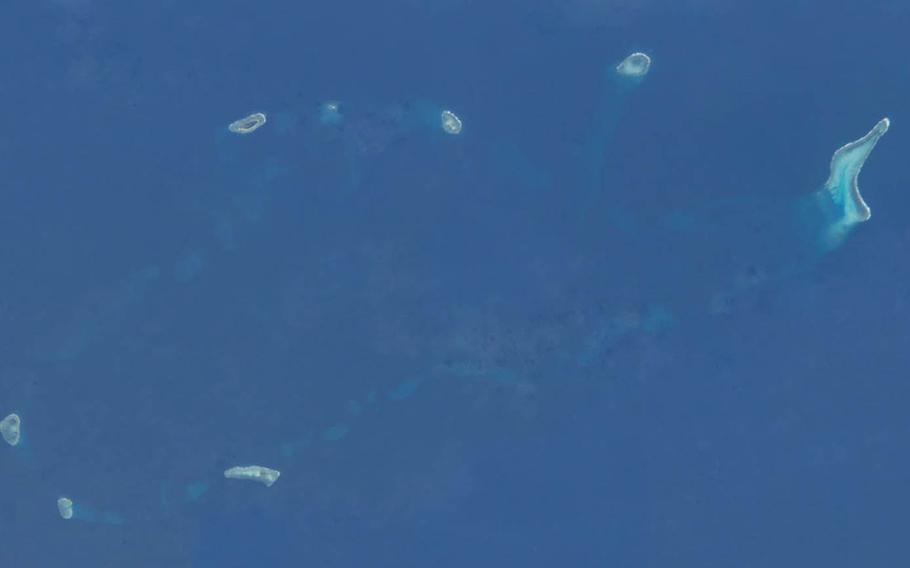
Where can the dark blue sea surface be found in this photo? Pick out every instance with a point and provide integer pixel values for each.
(595, 328)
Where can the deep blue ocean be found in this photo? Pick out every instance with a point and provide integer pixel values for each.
(603, 325)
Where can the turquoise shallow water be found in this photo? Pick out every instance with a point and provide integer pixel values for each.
(606, 324)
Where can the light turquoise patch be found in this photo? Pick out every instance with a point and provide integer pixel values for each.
(658, 319)
(354, 407)
(81, 513)
(469, 370)
(404, 390)
(335, 433)
(290, 448)
(680, 222)
(194, 491)
(189, 267)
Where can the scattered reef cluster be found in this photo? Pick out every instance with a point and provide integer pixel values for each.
(823, 219)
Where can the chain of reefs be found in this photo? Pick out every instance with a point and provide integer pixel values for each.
(840, 195)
